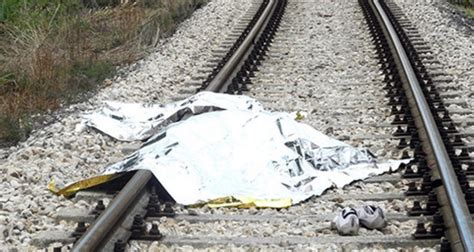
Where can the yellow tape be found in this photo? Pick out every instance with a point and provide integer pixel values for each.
(246, 202)
(80, 185)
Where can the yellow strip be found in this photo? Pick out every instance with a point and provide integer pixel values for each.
(246, 202)
(80, 185)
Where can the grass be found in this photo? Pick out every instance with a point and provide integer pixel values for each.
(465, 6)
(468, 11)
(52, 51)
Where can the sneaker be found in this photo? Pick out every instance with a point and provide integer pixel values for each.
(371, 217)
(346, 222)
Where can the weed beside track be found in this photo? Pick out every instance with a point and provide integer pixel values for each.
(53, 52)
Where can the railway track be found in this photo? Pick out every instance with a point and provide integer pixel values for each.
(399, 108)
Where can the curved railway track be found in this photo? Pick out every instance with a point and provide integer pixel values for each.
(429, 202)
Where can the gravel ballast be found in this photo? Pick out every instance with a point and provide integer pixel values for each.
(344, 100)
(66, 153)
(452, 43)
(324, 66)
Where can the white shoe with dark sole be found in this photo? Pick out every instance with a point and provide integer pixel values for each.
(371, 217)
(346, 222)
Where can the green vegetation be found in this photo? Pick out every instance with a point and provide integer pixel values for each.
(466, 6)
(468, 11)
(465, 3)
(53, 50)
(39, 11)
(41, 44)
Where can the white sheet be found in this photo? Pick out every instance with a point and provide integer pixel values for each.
(236, 149)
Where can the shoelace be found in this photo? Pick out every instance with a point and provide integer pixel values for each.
(370, 209)
(345, 213)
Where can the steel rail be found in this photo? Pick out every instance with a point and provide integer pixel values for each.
(101, 230)
(222, 79)
(455, 197)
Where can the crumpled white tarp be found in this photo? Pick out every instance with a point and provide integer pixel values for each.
(132, 121)
(232, 147)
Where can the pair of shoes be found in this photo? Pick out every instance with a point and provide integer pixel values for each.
(348, 221)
